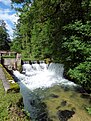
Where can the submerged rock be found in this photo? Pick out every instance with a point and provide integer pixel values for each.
(54, 96)
(85, 95)
(63, 103)
(64, 115)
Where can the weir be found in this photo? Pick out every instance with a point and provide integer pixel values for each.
(42, 76)
(47, 95)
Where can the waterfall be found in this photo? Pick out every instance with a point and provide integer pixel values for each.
(42, 76)
(39, 77)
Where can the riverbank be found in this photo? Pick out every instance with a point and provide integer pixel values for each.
(10, 106)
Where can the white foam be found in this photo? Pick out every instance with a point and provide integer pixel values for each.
(38, 77)
(19, 75)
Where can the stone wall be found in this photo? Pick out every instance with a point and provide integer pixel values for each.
(9, 62)
(12, 63)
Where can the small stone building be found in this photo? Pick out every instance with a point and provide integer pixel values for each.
(10, 59)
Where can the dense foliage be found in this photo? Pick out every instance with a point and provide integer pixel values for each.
(4, 37)
(59, 29)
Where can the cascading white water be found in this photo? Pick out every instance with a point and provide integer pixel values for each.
(42, 76)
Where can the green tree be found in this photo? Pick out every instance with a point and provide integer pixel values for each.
(76, 44)
(60, 30)
(23, 31)
(77, 48)
(4, 37)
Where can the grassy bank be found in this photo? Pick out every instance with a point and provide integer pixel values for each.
(11, 106)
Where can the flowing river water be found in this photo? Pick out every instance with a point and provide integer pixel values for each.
(48, 96)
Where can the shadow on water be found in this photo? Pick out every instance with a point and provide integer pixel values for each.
(33, 103)
(65, 115)
(41, 113)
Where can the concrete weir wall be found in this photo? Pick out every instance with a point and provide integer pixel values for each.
(8, 62)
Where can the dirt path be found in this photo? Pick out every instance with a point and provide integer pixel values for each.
(4, 81)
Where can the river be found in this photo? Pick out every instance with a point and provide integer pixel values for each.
(48, 96)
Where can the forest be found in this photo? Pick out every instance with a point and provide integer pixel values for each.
(4, 36)
(59, 30)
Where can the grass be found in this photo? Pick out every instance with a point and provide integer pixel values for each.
(11, 108)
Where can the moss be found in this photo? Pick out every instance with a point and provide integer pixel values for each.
(13, 85)
(26, 59)
(1, 65)
(19, 68)
(48, 60)
(8, 56)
